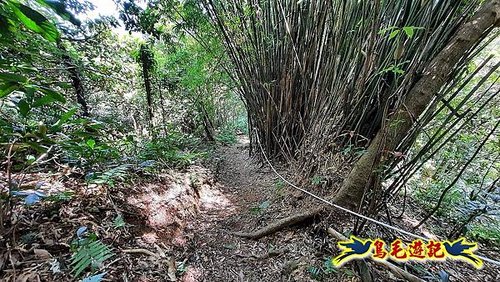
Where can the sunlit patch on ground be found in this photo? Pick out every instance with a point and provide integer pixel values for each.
(213, 198)
(171, 206)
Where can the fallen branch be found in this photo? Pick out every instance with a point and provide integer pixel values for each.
(394, 269)
(280, 224)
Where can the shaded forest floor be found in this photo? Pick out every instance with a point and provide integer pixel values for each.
(178, 227)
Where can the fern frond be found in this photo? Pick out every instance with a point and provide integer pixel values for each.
(92, 254)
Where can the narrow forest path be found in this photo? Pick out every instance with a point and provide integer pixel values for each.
(254, 198)
(218, 255)
(243, 196)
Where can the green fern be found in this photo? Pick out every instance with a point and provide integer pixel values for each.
(109, 177)
(92, 254)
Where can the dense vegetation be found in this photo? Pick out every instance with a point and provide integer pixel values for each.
(397, 98)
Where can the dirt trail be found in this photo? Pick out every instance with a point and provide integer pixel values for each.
(255, 200)
(218, 255)
(186, 218)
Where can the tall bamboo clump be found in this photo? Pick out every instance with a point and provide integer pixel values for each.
(319, 75)
(316, 74)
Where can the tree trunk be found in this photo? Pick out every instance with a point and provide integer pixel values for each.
(146, 64)
(419, 98)
(207, 123)
(162, 105)
(76, 79)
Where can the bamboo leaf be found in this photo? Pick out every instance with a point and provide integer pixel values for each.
(394, 33)
(24, 107)
(12, 77)
(409, 31)
(8, 88)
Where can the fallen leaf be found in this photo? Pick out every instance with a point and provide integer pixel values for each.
(42, 254)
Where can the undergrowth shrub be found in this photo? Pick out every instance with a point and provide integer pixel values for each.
(226, 136)
(487, 231)
(428, 196)
(175, 149)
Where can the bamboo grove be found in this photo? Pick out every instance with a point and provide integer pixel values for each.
(317, 76)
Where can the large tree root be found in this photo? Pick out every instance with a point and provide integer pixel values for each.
(280, 224)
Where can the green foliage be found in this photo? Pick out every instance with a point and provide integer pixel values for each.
(488, 232)
(315, 272)
(19, 14)
(110, 176)
(323, 272)
(409, 31)
(181, 269)
(279, 184)
(328, 266)
(88, 153)
(396, 69)
(88, 252)
(317, 180)
(459, 127)
(427, 197)
(241, 123)
(174, 149)
(61, 197)
(228, 133)
(226, 136)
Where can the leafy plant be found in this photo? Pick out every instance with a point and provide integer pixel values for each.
(181, 268)
(61, 197)
(315, 272)
(317, 180)
(227, 136)
(279, 185)
(328, 266)
(485, 232)
(173, 150)
(90, 253)
(395, 69)
(395, 31)
(427, 196)
(318, 273)
(109, 177)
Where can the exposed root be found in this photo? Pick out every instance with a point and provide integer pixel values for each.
(280, 224)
